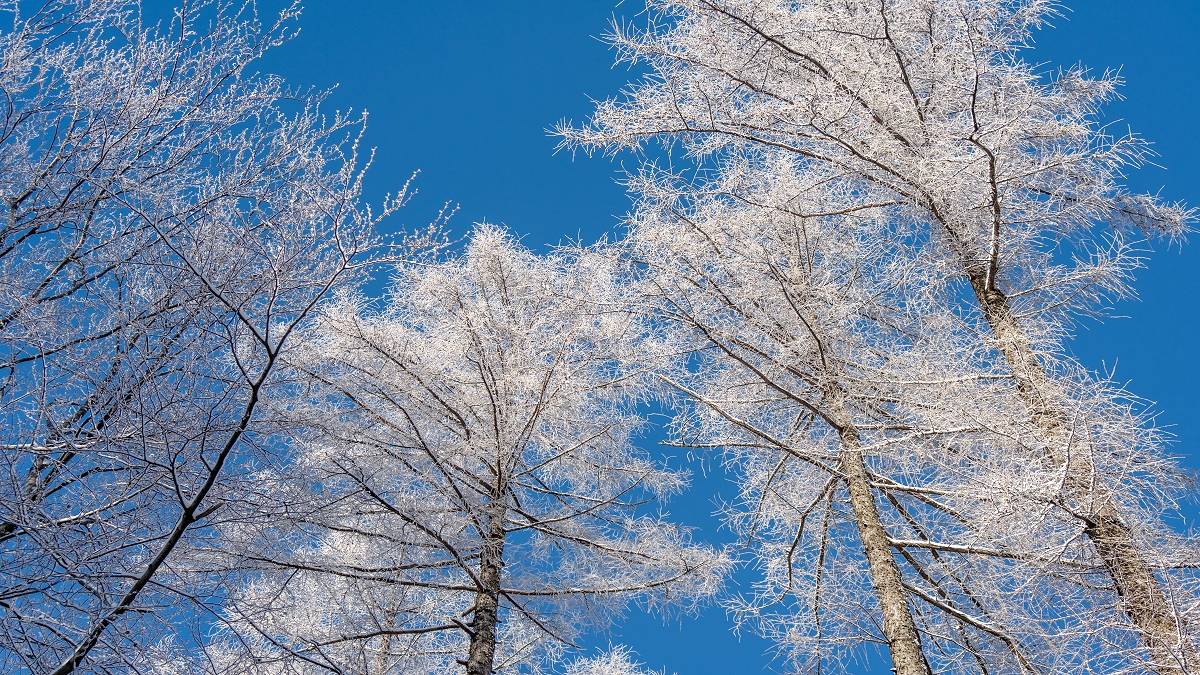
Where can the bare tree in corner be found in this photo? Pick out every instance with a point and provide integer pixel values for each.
(170, 219)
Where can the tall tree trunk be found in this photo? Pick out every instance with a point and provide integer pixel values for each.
(482, 652)
(904, 642)
(1141, 596)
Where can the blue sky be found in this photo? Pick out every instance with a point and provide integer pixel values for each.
(464, 90)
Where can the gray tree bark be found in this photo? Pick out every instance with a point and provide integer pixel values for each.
(1141, 595)
(481, 654)
(899, 629)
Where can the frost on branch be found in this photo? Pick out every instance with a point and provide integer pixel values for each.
(477, 495)
(814, 354)
(618, 661)
(1006, 187)
(169, 218)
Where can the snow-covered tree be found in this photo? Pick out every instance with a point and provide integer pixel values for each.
(479, 498)
(617, 661)
(924, 111)
(170, 218)
(880, 447)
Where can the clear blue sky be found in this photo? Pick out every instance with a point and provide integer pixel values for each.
(464, 89)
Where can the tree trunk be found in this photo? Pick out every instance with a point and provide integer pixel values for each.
(904, 642)
(482, 652)
(1142, 598)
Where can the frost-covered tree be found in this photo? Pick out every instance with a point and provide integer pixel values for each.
(478, 497)
(763, 301)
(880, 447)
(170, 217)
(927, 112)
(617, 661)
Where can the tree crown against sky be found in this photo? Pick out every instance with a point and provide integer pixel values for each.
(928, 112)
(467, 476)
(1039, 291)
(811, 343)
(170, 219)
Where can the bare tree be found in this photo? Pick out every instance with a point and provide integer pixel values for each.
(880, 447)
(479, 499)
(171, 219)
(926, 108)
(758, 298)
